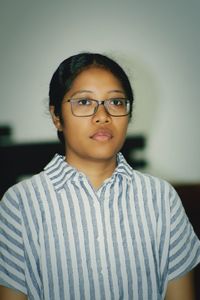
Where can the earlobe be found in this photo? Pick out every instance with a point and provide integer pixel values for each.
(55, 118)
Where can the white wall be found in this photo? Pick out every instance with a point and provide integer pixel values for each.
(157, 42)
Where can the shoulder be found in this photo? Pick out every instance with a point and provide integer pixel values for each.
(37, 182)
(22, 206)
(152, 183)
(146, 185)
(156, 193)
(24, 189)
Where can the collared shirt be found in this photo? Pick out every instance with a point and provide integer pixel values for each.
(61, 239)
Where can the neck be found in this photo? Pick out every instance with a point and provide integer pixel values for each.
(96, 170)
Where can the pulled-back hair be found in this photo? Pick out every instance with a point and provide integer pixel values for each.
(71, 67)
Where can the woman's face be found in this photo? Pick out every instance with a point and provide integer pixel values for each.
(98, 137)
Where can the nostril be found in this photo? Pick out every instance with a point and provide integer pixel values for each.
(102, 121)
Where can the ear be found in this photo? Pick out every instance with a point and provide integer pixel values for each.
(56, 119)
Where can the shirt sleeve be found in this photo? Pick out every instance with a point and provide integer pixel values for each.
(184, 247)
(12, 264)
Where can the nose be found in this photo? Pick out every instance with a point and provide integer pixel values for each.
(101, 116)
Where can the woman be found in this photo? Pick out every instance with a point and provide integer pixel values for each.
(89, 226)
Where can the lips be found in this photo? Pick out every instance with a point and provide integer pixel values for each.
(102, 135)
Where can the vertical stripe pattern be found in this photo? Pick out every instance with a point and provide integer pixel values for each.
(61, 239)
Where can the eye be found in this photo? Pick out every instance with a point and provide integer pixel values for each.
(84, 101)
(117, 102)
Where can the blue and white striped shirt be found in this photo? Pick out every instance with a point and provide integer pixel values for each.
(61, 239)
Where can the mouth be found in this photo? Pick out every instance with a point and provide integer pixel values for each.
(102, 135)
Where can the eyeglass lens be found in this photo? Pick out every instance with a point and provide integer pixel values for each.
(87, 107)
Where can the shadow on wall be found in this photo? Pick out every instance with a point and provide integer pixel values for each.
(146, 88)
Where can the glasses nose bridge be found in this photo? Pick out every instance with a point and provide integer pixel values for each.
(101, 102)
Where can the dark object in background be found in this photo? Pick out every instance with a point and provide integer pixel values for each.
(23, 160)
(5, 134)
(190, 197)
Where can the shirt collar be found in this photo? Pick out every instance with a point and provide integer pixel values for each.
(59, 171)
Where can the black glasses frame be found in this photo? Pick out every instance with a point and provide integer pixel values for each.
(99, 102)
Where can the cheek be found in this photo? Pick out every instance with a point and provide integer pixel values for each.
(122, 126)
(74, 128)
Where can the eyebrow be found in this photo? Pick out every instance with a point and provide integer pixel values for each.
(116, 91)
(88, 91)
(81, 92)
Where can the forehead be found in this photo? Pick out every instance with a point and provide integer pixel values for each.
(96, 76)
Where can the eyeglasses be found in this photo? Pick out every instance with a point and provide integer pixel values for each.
(85, 107)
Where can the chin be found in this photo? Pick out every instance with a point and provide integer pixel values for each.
(103, 154)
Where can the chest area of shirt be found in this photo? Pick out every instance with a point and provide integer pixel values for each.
(83, 221)
(109, 234)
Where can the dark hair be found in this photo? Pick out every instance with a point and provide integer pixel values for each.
(71, 67)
